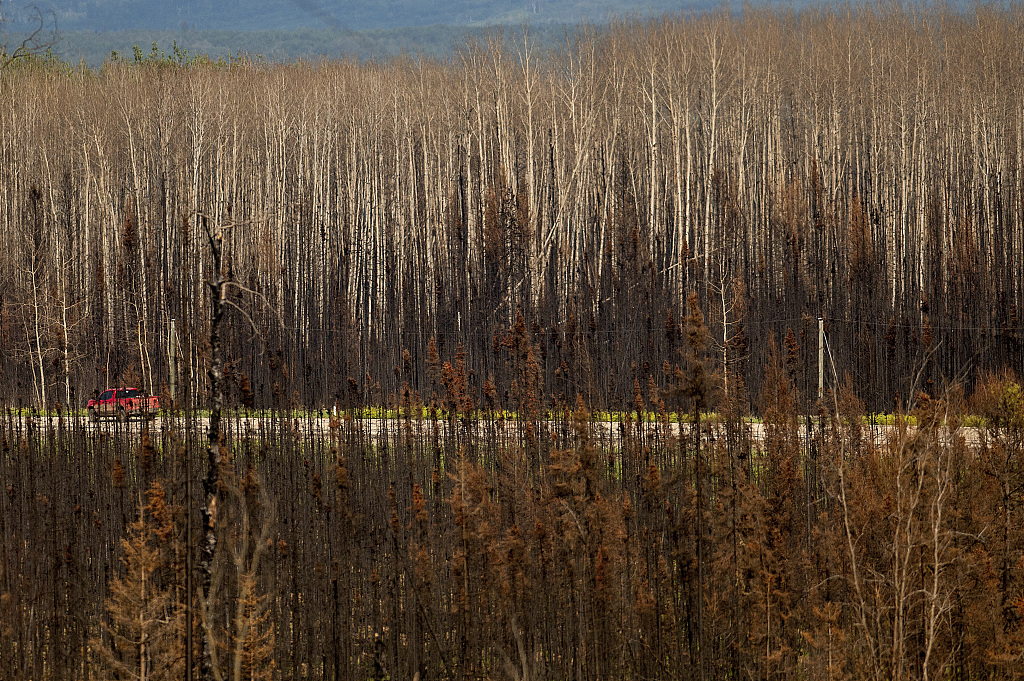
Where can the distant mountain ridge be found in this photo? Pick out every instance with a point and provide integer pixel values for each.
(95, 47)
(354, 15)
(90, 30)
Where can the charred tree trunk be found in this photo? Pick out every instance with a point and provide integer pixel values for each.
(211, 484)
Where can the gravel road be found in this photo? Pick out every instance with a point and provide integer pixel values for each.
(605, 434)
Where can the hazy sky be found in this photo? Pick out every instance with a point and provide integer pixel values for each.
(112, 15)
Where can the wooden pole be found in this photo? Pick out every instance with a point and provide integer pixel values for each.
(172, 352)
(821, 358)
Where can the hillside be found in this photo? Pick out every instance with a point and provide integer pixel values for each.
(247, 15)
(91, 30)
(93, 48)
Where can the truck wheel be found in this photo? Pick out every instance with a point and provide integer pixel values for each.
(122, 415)
(92, 416)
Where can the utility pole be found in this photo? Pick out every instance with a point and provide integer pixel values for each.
(821, 358)
(172, 352)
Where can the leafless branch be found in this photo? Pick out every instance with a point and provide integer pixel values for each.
(38, 41)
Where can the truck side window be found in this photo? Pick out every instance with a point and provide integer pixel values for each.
(106, 394)
(121, 394)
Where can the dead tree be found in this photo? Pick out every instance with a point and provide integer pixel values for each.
(208, 545)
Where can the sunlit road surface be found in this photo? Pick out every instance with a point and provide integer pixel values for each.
(393, 431)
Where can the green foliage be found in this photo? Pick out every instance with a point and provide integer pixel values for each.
(47, 60)
(888, 419)
(999, 402)
(178, 57)
(972, 421)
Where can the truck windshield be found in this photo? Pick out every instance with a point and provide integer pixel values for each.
(106, 394)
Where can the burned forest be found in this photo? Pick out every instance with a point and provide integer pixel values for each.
(683, 349)
(863, 167)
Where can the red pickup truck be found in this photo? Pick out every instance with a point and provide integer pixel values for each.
(121, 403)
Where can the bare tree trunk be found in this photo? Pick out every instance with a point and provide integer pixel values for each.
(37, 324)
(211, 487)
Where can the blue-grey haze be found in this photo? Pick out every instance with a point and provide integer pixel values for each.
(90, 30)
